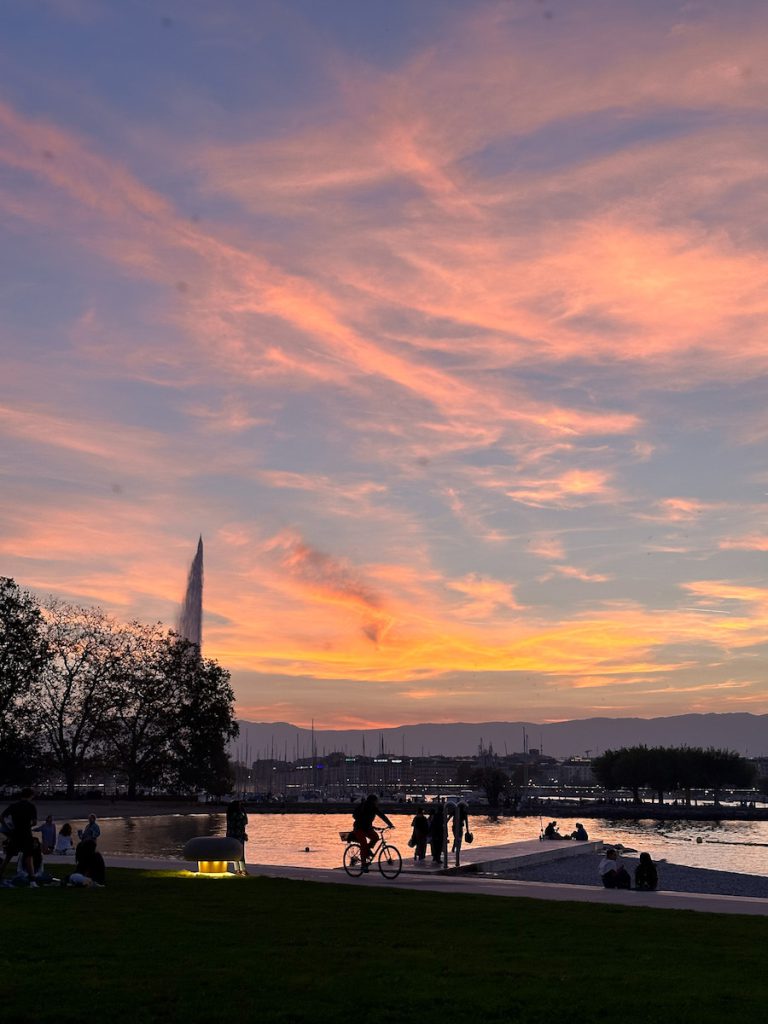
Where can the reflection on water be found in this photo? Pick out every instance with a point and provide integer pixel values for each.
(282, 838)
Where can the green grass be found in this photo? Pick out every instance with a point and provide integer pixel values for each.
(155, 947)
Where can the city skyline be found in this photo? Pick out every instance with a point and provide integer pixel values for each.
(443, 323)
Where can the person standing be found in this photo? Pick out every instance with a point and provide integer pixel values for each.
(420, 835)
(19, 818)
(47, 834)
(237, 822)
(437, 832)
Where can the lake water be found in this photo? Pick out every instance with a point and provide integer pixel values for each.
(282, 838)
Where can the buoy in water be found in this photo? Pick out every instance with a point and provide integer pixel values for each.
(699, 839)
(306, 849)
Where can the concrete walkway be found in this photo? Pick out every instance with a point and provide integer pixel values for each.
(417, 881)
(506, 856)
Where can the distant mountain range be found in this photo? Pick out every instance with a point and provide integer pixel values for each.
(745, 733)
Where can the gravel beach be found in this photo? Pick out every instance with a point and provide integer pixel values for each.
(672, 877)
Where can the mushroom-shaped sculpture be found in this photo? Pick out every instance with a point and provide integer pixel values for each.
(213, 853)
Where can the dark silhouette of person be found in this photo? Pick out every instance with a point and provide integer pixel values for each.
(363, 831)
(420, 835)
(550, 832)
(579, 833)
(18, 819)
(646, 875)
(437, 832)
(89, 863)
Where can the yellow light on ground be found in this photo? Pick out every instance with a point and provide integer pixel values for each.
(212, 867)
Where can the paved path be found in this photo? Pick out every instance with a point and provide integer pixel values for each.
(475, 885)
(505, 856)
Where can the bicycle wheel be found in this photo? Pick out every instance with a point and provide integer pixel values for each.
(353, 860)
(390, 862)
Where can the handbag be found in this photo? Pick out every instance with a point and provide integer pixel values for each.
(469, 838)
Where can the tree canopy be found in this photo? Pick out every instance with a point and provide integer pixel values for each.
(80, 691)
(672, 769)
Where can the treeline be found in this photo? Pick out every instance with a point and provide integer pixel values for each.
(82, 693)
(672, 770)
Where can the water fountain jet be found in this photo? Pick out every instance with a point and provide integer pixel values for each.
(190, 623)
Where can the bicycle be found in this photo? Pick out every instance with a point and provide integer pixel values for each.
(387, 856)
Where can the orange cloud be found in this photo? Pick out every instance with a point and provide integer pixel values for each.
(572, 487)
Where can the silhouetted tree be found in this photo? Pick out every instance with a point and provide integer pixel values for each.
(667, 769)
(205, 720)
(493, 781)
(604, 769)
(661, 770)
(722, 768)
(23, 655)
(77, 686)
(143, 709)
(688, 770)
(626, 768)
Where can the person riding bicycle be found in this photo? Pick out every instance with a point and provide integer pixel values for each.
(363, 832)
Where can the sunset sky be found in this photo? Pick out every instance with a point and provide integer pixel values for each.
(444, 323)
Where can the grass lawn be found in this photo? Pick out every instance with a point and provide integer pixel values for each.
(158, 947)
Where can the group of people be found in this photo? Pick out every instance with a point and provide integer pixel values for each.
(551, 832)
(614, 875)
(426, 830)
(18, 823)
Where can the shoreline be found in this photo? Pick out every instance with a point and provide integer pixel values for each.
(106, 808)
(583, 870)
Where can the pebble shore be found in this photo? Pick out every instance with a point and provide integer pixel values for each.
(672, 877)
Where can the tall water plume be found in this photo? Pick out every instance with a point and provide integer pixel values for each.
(191, 614)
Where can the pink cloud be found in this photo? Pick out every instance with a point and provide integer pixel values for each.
(547, 547)
(750, 542)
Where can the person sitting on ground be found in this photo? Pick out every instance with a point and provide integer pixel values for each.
(608, 867)
(64, 839)
(550, 832)
(90, 868)
(40, 876)
(579, 833)
(363, 831)
(91, 830)
(646, 875)
(613, 874)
